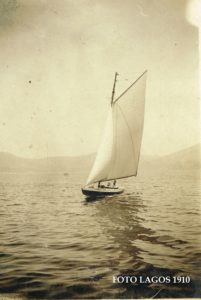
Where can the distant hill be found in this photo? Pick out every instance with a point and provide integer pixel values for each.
(12, 163)
(185, 159)
(189, 158)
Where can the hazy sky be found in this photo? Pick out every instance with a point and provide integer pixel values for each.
(58, 58)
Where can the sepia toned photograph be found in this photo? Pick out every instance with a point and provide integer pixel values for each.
(100, 191)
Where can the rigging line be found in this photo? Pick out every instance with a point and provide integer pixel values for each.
(130, 86)
(129, 130)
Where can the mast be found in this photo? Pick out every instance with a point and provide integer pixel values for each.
(113, 90)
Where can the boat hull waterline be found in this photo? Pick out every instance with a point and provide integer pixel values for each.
(101, 192)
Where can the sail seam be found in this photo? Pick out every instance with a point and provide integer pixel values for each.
(129, 130)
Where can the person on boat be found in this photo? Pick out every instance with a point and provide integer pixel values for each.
(108, 184)
(100, 185)
(114, 183)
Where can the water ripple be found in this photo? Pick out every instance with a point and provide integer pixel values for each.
(55, 245)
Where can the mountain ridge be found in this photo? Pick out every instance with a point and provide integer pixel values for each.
(188, 158)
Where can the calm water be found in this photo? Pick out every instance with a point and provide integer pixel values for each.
(55, 245)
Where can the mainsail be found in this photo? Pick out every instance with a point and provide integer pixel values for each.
(118, 155)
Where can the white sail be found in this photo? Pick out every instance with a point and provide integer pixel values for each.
(118, 155)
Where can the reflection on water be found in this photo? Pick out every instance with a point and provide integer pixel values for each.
(56, 245)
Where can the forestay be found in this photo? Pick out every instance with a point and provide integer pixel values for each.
(118, 155)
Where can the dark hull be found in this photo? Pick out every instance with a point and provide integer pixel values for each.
(101, 192)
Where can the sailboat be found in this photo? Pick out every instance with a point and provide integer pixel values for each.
(119, 152)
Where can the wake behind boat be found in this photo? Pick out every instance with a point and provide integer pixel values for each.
(119, 152)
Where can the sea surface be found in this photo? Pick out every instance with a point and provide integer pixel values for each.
(56, 245)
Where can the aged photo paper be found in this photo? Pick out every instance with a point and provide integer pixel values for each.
(100, 149)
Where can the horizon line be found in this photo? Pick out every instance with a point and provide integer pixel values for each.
(92, 153)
